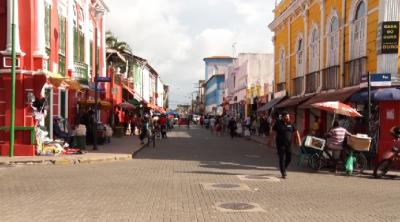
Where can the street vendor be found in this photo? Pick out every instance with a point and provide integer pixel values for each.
(336, 137)
(59, 133)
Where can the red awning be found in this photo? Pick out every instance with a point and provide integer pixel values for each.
(293, 101)
(340, 95)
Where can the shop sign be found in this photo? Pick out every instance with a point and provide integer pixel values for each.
(381, 79)
(388, 37)
(103, 79)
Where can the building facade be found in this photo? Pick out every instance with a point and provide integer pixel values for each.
(216, 65)
(55, 40)
(214, 94)
(324, 50)
(245, 81)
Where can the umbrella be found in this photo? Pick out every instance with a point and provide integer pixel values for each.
(377, 95)
(126, 105)
(337, 108)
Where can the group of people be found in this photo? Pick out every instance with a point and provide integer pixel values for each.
(255, 125)
(154, 124)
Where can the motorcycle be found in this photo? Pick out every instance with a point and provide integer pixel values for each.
(390, 158)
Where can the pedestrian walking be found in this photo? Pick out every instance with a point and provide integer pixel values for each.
(232, 127)
(284, 133)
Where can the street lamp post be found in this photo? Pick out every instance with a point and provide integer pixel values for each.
(96, 75)
(13, 77)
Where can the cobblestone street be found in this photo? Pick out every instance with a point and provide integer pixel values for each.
(189, 177)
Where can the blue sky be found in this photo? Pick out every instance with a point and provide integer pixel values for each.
(175, 35)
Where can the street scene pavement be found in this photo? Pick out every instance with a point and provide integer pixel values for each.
(193, 176)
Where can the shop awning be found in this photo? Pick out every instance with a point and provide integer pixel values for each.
(55, 78)
(73, 84)
(270, 104)
(134, 102)
(102, 104)
(381, 94)
(293, 101)
(340, 95)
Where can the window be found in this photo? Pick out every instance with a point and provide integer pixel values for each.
(62, 44)
(47, 24)
(79, 38)
(314, 50)
(62, 34)
(282, 64)
(63, 105)
(358, 35)
(333, 42)
(299, 57)
(47, 30)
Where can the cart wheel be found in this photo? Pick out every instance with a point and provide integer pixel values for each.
(315, 161)
(360, 163)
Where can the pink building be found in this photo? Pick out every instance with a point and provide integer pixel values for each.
(56, 57)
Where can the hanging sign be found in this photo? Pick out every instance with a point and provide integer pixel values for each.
(103, 79)
(388, 38)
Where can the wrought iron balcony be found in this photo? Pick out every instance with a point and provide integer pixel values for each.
(330, 78)
(81, 72)
(354, 71)
(298, 85)
(312, 82)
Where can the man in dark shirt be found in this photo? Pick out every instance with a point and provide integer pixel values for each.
(284, 132)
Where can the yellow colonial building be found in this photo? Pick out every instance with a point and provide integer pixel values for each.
(325, 48)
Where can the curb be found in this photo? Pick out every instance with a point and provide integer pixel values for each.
(138, 150)
(294, 152)
(65, 161)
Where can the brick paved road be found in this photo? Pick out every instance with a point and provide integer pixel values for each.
(168, 184)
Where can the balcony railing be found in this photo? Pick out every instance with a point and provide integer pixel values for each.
(355, 69)
(298, 86)
(312, 82)
(330, 78)
(81, 72)
(280, 86)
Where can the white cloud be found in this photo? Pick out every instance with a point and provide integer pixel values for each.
(175, 35)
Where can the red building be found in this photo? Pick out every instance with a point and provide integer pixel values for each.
(56, 60)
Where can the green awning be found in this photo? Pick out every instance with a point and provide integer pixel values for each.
(134, 102)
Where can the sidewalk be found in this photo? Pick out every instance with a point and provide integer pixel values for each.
(264, 141)
(123, 148)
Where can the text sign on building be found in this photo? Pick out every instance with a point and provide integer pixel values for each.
(381, 79)
(103, 79)
(388, 38)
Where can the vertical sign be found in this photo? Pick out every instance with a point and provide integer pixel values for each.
(388, 38)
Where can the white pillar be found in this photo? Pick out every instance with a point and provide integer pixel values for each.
(9, 32)
(40, 32)
(70, 41)
(103, 46)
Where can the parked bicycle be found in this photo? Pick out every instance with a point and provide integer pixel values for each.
(351, 157)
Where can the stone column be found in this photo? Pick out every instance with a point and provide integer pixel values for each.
(9, 31)
(40, 32)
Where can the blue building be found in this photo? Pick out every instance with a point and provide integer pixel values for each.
(216, 65)
(215, 69)
(214, 94)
